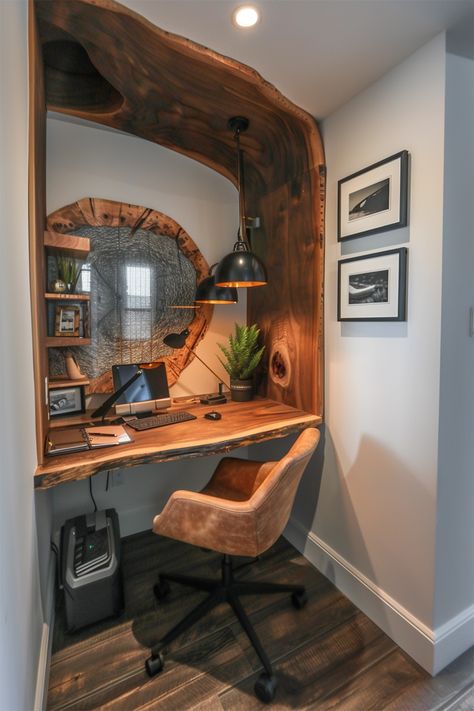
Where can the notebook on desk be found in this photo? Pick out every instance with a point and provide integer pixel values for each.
(77, 439)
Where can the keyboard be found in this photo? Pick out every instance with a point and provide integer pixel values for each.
(168, 418)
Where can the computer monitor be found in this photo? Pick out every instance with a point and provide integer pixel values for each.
(148, 392)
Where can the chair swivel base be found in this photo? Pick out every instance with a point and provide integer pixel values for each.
(225, 590)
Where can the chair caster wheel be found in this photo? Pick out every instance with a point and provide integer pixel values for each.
(161, 589)
(154, 665)
(265, 687)
(299, 600)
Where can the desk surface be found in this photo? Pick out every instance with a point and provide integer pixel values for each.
(242, 423)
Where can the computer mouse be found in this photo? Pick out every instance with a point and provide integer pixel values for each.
(213, 415)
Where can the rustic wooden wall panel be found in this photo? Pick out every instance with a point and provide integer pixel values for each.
(107, 64)
(37, 212)
(289, 309)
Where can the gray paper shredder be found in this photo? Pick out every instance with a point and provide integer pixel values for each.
(91, 568)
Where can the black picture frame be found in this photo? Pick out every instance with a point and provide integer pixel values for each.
(67, 401)
(374, 291)
(386, 206)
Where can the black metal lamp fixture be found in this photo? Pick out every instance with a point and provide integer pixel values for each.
(209, 293)
(241, 267)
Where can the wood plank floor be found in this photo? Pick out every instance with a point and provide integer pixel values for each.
(327, 656)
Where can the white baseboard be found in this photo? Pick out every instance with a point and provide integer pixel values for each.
(44, 661)
(432, 649)
(453, 638)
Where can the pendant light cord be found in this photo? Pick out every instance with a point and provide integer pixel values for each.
(242, 233)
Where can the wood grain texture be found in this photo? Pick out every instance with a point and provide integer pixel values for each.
(241, 424)
(37, 211)
(67, 297)
(180, 95)
(327, 655)
(289, 310)
(76, 246)
(97, 212)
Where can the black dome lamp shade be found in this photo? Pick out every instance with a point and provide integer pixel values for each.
(209, 293)
(240, 268)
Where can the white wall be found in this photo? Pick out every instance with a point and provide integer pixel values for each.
(21, 620)
(455, 521)
(383, 378)
(371, 512)
(88, 161)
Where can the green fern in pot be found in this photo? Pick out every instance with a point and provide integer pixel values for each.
(242, 355)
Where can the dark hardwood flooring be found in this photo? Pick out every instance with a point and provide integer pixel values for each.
(327, 656)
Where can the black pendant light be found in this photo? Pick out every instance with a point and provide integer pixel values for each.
(209, 293)
(240, 268)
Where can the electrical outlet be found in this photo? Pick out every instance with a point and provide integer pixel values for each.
(117, 477)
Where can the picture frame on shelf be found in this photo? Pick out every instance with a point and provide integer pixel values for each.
(67, 320)
(372, 287)
(67, 401)
(375, 199)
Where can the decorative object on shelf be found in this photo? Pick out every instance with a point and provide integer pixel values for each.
(68, 270)
(374, 199)
(209, 293)
(72, 367)
(178, 341)
(241, 267)
(373, 287)
(67, 320)
(242, 357)
(66, 401)
(58, 286)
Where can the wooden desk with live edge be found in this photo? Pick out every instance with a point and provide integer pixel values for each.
(242, 423)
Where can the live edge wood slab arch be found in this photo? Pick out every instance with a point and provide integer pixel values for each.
(97, 212)
(99, 61)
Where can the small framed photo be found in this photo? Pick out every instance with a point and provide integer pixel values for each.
(67, 401)
(67, 320)
(373, 287)
(374, 199)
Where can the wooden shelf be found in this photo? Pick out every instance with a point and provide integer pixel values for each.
(76, 246)
(66, 341)
(66, 297)
(62, 382)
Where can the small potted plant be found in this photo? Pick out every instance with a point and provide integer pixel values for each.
(242, 355)
(68, 271)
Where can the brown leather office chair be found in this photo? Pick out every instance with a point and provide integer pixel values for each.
(241, 512)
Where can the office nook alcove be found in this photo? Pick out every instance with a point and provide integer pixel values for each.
(87, 60)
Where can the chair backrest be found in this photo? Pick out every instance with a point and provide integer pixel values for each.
(273, 500)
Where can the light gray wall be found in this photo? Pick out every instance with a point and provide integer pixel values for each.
(455, 494)
(377, 503)
(21, 619)
(88, 161)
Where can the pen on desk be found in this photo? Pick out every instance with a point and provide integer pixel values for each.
(102, 434)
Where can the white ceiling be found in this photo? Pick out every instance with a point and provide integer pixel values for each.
(318, 53)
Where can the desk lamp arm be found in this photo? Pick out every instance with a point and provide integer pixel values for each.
(103, 409)
(191, 350)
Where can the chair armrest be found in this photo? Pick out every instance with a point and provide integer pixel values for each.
(209, 522)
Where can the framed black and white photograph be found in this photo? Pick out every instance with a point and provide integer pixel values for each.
(373, 287)
(67, 321)
(374, 199)
(66, 401)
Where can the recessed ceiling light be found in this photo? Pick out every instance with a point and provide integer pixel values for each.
(246, 16)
